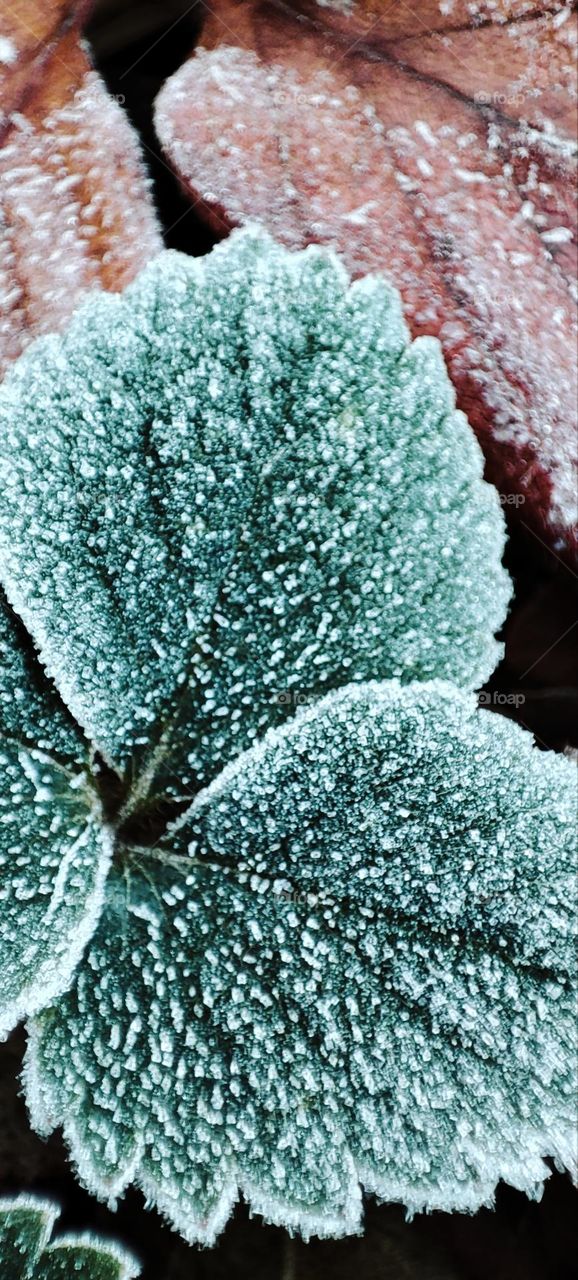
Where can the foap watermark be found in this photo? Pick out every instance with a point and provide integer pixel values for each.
(293, 698)
(498, 698)
(516, 98)
(93, 95)
(512, 499)
(299, 897)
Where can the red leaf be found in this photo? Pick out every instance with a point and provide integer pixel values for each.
(75, 207)
(408, 154)
(30, 30)
(379, 21)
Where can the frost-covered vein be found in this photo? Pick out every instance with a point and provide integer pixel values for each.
(163, 749)
(55, 858)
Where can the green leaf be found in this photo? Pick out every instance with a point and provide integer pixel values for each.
(350, 964)
(54, 857)
(232, 489)
(231, 492)
(53, 853)
(31, 712)
(26, 1226)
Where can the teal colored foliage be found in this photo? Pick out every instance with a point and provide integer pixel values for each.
(28, 1252)
(289, 914)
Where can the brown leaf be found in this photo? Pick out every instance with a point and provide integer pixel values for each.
(380, 21)
(75, 206)
(29, 32)
(441, 157)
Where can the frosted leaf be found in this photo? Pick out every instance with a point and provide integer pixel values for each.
(232, 489)
(447, 161)
(381, 20)
(28, 31)
(351, 966)
(54, 856)
(28, 1252)
(53, 853)
(31, 711)
(75, 205)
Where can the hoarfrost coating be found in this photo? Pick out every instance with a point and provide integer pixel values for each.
(307, 908)
(267, 438)
(29, 1252)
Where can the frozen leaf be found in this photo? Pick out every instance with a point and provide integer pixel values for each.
(230, 492)
(75, 207)
(233, 489)
(359, 19)
(31, 712)
(434, 143)
(54, 856)
(27, 1251)
(29, 32)
(350, 964)
(40, 938)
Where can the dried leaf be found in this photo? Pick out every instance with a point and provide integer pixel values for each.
(30, 31)
(442, 157)
(75, 206)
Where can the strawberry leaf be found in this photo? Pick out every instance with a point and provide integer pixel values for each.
(26, 1251)
(259, 490)
(31, 712)
(54, 856)
(352, 963)
(53, 852)
(234, 496)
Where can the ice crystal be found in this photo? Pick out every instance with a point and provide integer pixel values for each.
(27, 1251)
(54, 856)
(351, 965)
(31, 713)
(8, 51)
(264, 438)
(53, 851)
(234, 497)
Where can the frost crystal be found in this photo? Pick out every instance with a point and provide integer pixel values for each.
(26, 1251)
(54, 856)
(351, 964)
(264, 438)
(31, 713)
(8, 51)
(54, 853)
(233, 497)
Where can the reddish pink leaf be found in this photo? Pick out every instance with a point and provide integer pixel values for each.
(381, 21)
(397, 165)
(75, 208)
(30, 30)
(525, 69)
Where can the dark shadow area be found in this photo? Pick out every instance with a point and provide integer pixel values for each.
(134, 67)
